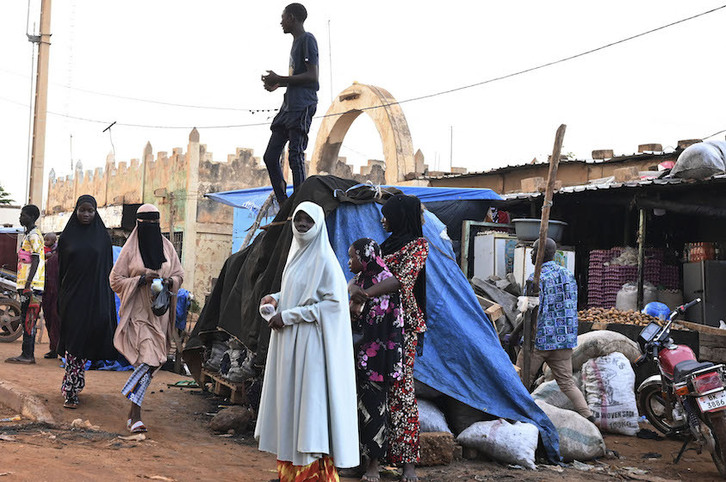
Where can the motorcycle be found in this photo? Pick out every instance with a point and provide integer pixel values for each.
(687, 397)
(10, 326)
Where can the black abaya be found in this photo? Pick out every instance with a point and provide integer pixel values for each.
(85, 301)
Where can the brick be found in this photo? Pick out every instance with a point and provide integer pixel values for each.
(437, 448)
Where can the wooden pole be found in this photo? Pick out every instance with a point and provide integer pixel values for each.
(641, 257)
(37, 158)
(531, 321)
(258, 220)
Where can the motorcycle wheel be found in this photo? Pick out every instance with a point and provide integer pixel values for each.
(653, 406)
(717, 423)
(10, 326)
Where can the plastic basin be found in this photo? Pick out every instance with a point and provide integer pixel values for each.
(528, 229)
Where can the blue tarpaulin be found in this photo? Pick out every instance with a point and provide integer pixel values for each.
(253, 199)
(463, 357)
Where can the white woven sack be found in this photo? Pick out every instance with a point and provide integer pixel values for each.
(430, 418)
(503, 441)
(609, 391)
(579, 438)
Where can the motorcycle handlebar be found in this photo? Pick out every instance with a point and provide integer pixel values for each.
(684, 308)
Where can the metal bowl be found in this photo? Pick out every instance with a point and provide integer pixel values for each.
(528, 229)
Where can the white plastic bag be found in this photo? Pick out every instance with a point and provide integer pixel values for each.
(579, 438)
(430, 418)
(609, 390)
(701, 161)
(503, 441)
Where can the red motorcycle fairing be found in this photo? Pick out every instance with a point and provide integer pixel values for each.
(669, 358)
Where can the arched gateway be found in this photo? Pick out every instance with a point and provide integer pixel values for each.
(388, 118)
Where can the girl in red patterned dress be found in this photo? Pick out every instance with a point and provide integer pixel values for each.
(405, 252)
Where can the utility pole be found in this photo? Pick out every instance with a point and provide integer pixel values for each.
(37, 159)
(451, 147)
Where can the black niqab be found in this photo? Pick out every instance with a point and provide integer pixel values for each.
(85, 301)
(151, 246)
(403, 214)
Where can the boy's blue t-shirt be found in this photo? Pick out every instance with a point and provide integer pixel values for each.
(298, 97)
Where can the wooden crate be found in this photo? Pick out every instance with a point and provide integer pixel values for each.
(224, 388)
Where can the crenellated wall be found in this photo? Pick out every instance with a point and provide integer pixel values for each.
(176, 183)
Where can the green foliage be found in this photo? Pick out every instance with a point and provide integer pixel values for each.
(5, 196)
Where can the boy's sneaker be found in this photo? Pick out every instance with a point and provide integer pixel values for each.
(21, 360)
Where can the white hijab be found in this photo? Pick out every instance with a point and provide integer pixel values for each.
(312, 271)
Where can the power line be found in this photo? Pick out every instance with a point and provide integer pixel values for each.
(714, 134)
(412, 99)
(150, 101)
(554, 62)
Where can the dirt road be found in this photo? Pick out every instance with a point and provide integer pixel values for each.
(180, 447)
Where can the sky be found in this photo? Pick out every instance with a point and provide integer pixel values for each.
(658, 88)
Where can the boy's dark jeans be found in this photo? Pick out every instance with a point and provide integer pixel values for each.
(29, 317)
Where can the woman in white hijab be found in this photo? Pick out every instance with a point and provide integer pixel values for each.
(307, 413)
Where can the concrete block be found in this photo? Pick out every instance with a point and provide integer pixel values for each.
(683, 143)
(626, 174)
(437, 448)
(650, 148)
(533, 184)
(27, 405)
(603, 154)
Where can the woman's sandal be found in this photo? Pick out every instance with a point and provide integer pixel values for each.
(137, 427)
(70, 404)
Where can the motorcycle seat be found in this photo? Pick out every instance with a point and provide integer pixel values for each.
(686, 367)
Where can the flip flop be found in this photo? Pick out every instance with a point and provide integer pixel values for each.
(70, 404)
(128, 424)
(137, 427)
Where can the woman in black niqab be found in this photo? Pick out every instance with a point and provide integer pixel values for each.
(149, 234)
(85, 301)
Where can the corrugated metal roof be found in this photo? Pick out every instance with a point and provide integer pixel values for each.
(615, 185)
(511, 167)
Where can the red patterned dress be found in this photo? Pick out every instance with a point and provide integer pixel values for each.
(405, 264)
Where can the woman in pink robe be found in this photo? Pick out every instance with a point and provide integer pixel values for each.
(141, 336)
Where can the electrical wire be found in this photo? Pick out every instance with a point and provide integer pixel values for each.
(412, 99)
(150, 101)
(714, 134)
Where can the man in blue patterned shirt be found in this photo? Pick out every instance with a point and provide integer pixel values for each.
(556, 334)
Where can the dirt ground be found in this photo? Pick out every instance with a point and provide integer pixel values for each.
(180, 447)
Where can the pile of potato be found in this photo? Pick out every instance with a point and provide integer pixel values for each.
(630, 317)
(605, 315)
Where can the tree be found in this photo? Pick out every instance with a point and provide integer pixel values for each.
(5, 196)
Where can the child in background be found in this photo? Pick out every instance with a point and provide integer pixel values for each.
(378, 324)
(30, 281)
(50, 294)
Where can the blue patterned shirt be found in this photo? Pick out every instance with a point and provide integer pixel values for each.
(557, 319)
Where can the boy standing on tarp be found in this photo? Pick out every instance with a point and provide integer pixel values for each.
(30, 281)
(292, 123)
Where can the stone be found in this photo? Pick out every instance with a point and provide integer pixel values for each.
(236, 418)
(437, 448)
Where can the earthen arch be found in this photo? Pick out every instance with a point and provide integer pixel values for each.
(388, 119)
